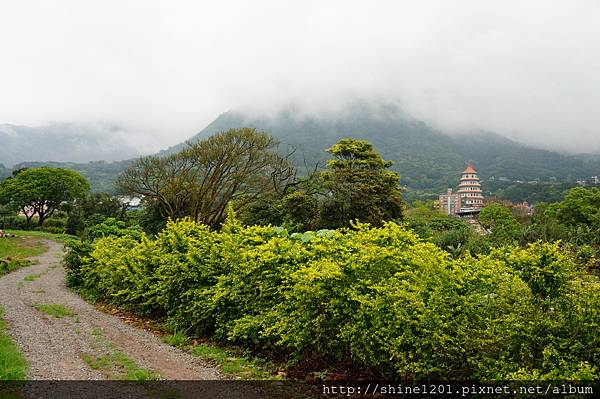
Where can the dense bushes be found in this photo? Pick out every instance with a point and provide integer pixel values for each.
(378, 297)
(575, 221)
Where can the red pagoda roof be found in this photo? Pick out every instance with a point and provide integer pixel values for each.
(470, 169)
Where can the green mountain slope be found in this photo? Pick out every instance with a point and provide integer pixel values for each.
(427, 159)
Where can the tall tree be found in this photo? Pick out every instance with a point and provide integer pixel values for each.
(167, 182)
(360, 186)
(503, 227)
(40, 191)
(237, 166)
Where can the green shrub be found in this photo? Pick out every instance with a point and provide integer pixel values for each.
(381, 298)
(77, 255)
(17, 223)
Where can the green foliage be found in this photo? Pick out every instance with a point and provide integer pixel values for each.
(447, 232)
(575, 221)
(532, 192)
(111, 227)
(359, 186)
(502, 226)
(12, 363)
(149, 218)
(75, 258)
(101, 175)
(93, 209)
(235, 166)
(40, 191)
(79, 251)
(581, 206)
(378, 297)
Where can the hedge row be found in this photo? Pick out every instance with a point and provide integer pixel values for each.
(380, 298)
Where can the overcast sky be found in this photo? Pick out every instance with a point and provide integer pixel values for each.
(529, 70)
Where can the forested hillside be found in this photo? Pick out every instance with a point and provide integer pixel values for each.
(428, 160)
(425, 157)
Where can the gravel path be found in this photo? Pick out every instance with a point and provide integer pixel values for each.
(55, 347)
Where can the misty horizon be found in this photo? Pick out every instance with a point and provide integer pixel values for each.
(163, 71)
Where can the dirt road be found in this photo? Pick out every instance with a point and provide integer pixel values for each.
(86, 344)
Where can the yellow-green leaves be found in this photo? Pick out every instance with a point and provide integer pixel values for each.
(380, 298)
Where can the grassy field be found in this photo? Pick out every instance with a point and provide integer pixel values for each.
(20, 247)
(12, 364)
(14, 252)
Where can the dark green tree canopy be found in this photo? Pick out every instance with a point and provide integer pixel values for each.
(93, 209)
(359, 186)
(40, 191)
(581, 206)
(502, 225)
(357, 154)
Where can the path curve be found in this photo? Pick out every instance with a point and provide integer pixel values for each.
(55, 347)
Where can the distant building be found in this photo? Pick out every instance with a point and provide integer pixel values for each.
(131, 203)
(469, 189)
(450, 202)
(590, 181)
(523, 207)
(468, 199)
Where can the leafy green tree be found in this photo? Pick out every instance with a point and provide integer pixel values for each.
(148, 218)
(237, 166)
(447, 232)
(575, 221)
(93, 209)
(359, 186)
(581, 206)
(41, 191)
(502, 225)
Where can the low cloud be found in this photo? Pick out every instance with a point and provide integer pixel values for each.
(527, 70)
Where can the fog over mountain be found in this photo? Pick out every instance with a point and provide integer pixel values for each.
(529, 71)
(64, 142)
(429, 160)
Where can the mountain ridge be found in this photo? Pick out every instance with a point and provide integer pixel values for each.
(421, 153)
(428, 159)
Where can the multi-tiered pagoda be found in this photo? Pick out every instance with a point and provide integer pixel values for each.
(469, 189)
(468, 200)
